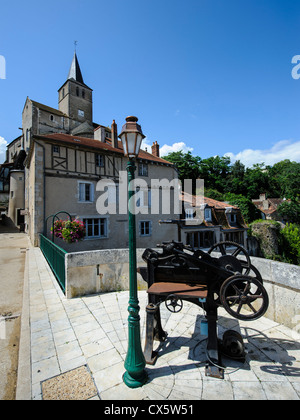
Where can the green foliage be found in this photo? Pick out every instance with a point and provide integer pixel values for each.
(284, 178)
(290, 210)
(223, 178)
(290, 243)
(214, 194)
(248, 209)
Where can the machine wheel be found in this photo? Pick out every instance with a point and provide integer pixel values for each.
(239, 292)
(229, 260)
(173, 304)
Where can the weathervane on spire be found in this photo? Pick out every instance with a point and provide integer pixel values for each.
(75, 44)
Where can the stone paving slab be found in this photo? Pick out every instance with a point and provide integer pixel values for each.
(92, 331)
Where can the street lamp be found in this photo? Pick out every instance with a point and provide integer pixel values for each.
(135, 375)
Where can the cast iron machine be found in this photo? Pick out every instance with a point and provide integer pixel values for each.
(208, 280)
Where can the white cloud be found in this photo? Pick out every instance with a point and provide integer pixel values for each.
(176, 147)
(284, 149)
(166, 149)
(3, 144)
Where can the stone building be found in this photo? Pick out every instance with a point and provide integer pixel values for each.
(205, 222)
(67, 154)
(268, 207)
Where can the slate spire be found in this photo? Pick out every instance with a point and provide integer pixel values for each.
(75, 72)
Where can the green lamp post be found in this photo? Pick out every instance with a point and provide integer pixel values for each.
(135, 375)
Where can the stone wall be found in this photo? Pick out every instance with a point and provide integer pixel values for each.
(93, 272)
(282, 282)
(267, 234)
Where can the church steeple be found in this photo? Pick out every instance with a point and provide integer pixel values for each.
(75, 72)
(75, 99)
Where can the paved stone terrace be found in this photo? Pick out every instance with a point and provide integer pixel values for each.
(92, 332)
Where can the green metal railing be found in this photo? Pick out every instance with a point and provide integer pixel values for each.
(56, 259)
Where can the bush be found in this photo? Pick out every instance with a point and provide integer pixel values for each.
(69, 231)
(290, 243)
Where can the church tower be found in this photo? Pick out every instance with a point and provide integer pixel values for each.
(75, 99)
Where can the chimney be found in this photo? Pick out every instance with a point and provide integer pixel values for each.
(155, 149)
(114, 134)
(263, 197)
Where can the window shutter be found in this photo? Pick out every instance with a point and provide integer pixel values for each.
(81, 192)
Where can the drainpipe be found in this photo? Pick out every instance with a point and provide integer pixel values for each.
(44, 186)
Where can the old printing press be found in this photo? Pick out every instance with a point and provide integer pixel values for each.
(179, 273)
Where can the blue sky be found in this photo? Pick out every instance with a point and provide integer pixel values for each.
(210, 76)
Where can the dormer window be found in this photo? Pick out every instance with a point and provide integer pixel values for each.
(232, 218)
(189, 214)
(207, 215)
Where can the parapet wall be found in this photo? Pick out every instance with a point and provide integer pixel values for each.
(282, 282)
(93, 272)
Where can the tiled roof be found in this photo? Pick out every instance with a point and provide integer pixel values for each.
(97, 145)
(197, 201)
(219, 216)
(48, 108)
(273, 204)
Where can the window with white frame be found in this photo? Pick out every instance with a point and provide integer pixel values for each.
(86, 192)
(145, 228)
(207, 214)
(189, 213)
(96, 227)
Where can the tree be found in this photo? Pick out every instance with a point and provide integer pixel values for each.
(290, 238)
(187, 166)
(290, 210)
(256, 180)
(248, 209)
(214, 171)
(236, 179)
(285, 179)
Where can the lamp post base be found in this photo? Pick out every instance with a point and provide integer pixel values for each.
(136, 382)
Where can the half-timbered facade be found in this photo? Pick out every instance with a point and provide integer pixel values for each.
(62, 174)
(67, 155)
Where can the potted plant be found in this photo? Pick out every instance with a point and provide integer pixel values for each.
(70, 230)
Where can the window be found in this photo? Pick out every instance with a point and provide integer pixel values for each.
(232, 218)
(204, 239)
(100, 161)
(86, 192)
(55, 149)
(80, 113)
(96, 228)
(189, 213)
(77, 91)
(51, 117)
(145, 228)
(143, 169)
(237, 237)
(207, 215)
(83, 93)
